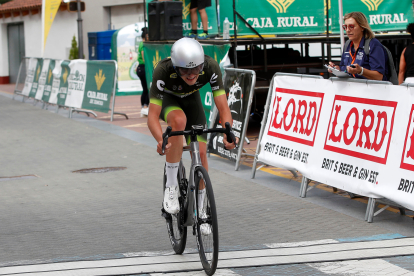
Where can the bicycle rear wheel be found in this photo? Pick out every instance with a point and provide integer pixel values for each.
(208, 244)
(176, 231)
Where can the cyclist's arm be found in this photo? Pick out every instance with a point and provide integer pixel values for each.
(225, 116)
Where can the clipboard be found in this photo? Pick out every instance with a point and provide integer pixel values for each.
(338, 73)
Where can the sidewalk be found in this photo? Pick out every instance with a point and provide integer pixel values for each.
(57, 215)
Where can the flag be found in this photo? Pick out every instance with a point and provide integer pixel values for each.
(49, 10)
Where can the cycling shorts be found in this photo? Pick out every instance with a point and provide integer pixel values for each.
(192, 108)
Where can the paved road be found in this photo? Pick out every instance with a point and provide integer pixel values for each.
(57, 218)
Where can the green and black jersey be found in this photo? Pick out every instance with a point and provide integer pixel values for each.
(166, 81)
(171, 92)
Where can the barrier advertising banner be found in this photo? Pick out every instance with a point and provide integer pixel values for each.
(49, 81)
(90, 85)
(36, 76)
(238, 86)
(31, 65)
(63, 83)
(154, 53)
(42, 79)
(351, 135)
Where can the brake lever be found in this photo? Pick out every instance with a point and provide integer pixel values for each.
(165, 137)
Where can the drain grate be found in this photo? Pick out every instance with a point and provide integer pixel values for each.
(100, 170)
(30, 176)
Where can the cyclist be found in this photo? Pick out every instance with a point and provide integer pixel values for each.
(175, 98)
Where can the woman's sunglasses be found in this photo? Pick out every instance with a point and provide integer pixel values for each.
(349, 26)
(188, 71)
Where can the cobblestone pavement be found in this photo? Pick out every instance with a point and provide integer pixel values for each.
(55, 215)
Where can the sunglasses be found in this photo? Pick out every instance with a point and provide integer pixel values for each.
(349, 26)
(188, 71)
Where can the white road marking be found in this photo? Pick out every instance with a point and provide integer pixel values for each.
(375, 267)
(191, 262)
(219, 272)
(304, 243)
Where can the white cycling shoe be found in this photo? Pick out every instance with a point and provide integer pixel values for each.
(205, 228)
(171, 204)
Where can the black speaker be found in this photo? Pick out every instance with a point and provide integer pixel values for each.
(154, 20)
(171, 20)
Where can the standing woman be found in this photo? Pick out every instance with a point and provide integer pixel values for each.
(141, 73)
(407, 60)
(372, 67)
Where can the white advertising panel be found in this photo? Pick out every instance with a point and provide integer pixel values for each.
(350, 135)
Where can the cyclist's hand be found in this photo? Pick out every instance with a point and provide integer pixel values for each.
(227, 145)
(159, 148)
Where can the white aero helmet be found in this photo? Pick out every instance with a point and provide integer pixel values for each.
(187, 53)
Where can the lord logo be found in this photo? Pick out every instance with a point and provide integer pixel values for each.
(372, 4)
(407, 159)
(99, 79)
(361, 128)
(295, 115)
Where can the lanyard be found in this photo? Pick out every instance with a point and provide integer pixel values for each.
(353, 56)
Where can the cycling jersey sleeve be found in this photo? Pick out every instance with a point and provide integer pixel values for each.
(216, 80)
(157, 86)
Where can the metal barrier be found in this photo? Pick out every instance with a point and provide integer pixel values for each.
(45, 105)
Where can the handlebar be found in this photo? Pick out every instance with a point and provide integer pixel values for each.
(198, 130)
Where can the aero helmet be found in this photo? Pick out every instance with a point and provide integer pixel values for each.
(187, 53)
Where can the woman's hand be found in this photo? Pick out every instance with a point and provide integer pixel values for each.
(159, 148)
(227, 145)
(354, 71)
(334, 66)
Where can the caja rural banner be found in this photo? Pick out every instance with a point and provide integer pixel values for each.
(270, 17)
(238, 86)
(154, 53)
(31, 66)
(354, 136)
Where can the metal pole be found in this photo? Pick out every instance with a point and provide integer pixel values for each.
(145, 14)
(80, 36)
(328, 45)
(235, 33)
(341, 19)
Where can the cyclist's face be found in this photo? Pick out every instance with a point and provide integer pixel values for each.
(190, 75)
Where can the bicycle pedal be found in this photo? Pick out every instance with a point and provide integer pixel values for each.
(165, 214)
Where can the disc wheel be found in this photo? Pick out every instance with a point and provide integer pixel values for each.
(176, 231)
(208, 243)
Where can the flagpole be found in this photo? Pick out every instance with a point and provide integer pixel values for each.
(43, 27)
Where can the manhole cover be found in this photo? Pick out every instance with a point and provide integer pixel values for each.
(30, 176)
(100, 170)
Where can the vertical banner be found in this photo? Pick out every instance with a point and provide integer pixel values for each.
(237, 86)
(124, 47)
(42, 79)
(154, 53)
(57, 70)
(49, 10)
(99, 86)
(31, 65)
(49, 81)
(63, 83)
(36, 78)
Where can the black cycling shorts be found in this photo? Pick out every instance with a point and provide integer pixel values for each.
(193, 110)
(200, 4)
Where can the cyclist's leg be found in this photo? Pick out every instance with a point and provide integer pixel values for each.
(177, 120)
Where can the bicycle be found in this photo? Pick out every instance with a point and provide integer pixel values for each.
(189, 214)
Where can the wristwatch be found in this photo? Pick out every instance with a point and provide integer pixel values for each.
(362, 71)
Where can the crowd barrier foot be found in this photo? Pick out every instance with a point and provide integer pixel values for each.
(82, 110)
(372, 202)
(123, 114)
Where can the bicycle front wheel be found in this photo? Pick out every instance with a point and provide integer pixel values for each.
(176, 230)
(207, 227)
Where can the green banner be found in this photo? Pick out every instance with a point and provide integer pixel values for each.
(273, 17)
(386, 15)
(154, 53)
(49, 81)
(37, 72)
(99, 86)
(63, 90)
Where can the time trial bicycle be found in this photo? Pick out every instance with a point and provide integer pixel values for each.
(194, 213)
